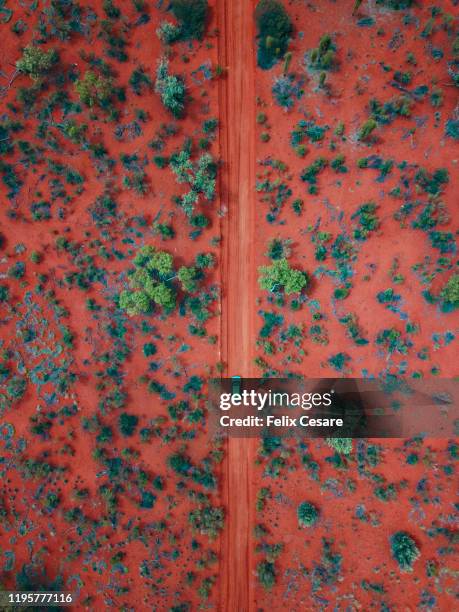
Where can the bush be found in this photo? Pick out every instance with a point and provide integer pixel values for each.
(450, 293)
(324, 56)
(95, 89)
(37, 63)
(343, 446)
(168, 33)
(192, 17)
(4, 293)
(396, 5)
(404, 550)
(188, 278)
(285, 90)
(16, 387)
(171, 89)
(139, 80)
(274, 30)
(367, 129)
(127, 424)
(151, 281)
(207, 520)
(307, 514)
(149, 349)
(266, 574)
(200, 176)
(280, 276)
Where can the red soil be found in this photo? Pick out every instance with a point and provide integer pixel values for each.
(158, 560)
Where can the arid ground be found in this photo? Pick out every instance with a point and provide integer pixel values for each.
(193, 189)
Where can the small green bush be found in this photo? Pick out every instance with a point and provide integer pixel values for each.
(450, 293)
(396, 5)
(404, 550)
(127, 424)
(343, 446)
(323, 57)
(171, 89)
(266, 574)
(307, 514)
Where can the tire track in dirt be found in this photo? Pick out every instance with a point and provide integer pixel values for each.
(237, 133)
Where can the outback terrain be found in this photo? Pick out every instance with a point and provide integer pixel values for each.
(193, 189)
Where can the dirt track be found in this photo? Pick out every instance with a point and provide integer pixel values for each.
(237, 103)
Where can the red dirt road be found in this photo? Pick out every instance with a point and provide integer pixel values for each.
(237, 103)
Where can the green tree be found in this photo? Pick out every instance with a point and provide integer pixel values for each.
(139, 80)
(170, 88)
(37, 63)
(205, 260)
(280, 275)
(188, 277)
(404, 550)
(450, 293)
(274, 31)
(207, 520)
(95, 90)
(324, 56)
(168, 33)
(307, 514)
(200, 176)
(266, 574)
(192, 17)
(342, 446)
(135, 303)
(367, 129)
(127, 424)
(163, 296)
(162, 262)
(16, 387)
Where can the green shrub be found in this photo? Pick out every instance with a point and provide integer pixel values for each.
(37, 63)
(168, 33)
(16, 387)
(396, 5)
(404, 550)
(139, 80)
(323, 57)
(95, 89)
(149, 349)
(343, 446)
(307, 514)
(450, 293)
(127, 424)
(201, 177)
(452, 128)
(339, 361)
(366, 130)
(188, 278)
(286, 89)
(274, 30)
(171, 89)
(192, 17)
(266, 574)
(280, 275)
(207, 520)
(112, 11)
(4, 293)
(150, 281)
